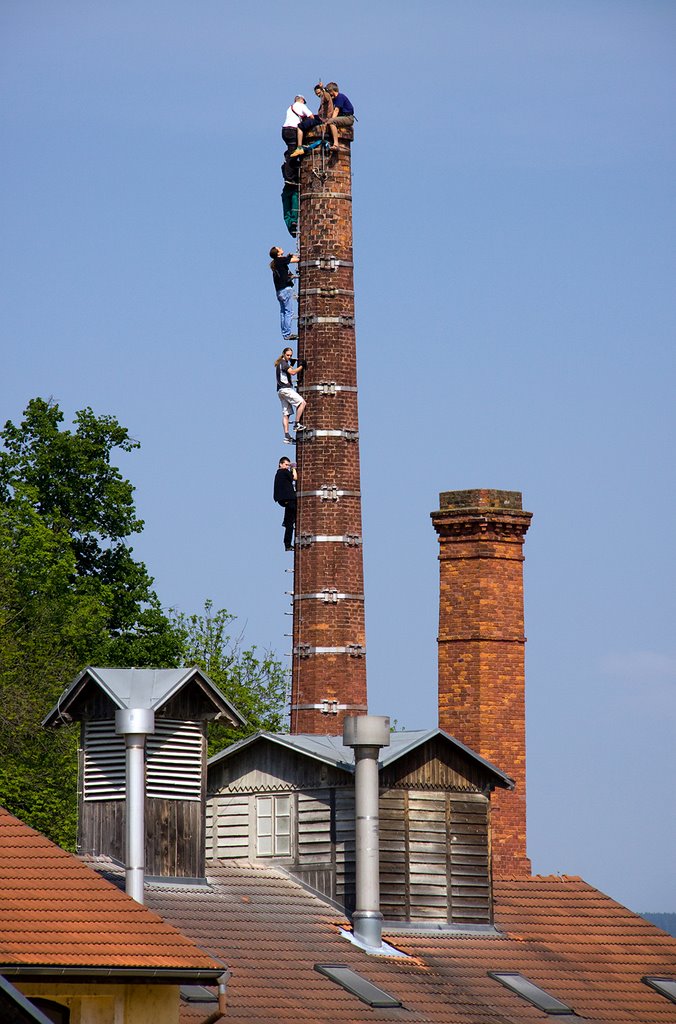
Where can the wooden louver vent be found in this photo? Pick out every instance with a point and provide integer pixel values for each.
(173, 761)
(104, 766)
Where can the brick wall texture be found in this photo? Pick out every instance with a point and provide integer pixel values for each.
(481, 649)
(330, 464)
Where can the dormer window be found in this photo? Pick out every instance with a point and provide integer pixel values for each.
(273, 826)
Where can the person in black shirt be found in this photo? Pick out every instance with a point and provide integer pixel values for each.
(284, 493)
(281, 276)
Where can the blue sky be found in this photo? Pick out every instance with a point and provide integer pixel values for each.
(513, 225)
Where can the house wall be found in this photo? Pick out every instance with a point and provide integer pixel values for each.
(174, 835)
(99, 1003)
(174, 827)
(434, 848)
(435, 857)
(322, 836)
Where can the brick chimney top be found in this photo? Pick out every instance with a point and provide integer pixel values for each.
(480, 498)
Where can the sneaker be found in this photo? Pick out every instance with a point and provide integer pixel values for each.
(299, 426)
(297, 152)
(291, 337)
(288, 547)
(288, 439)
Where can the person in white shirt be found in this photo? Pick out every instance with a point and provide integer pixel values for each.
(291, 130)
(285, 370)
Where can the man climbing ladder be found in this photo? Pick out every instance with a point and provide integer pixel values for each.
(285, 371)
(284, 493)
(283, 282)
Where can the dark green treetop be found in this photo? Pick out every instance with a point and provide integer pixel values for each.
(72, 594)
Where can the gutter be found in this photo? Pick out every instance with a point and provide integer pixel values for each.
(160, 975)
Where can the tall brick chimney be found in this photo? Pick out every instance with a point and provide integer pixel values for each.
(329, 638)
(481, 648)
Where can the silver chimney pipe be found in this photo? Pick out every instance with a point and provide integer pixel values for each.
(135, 724)
(366, 734)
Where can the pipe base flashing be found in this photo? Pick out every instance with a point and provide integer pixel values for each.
(384, 949)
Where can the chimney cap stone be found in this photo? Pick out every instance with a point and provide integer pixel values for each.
(481, 498)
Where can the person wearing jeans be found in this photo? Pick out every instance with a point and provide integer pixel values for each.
(281, 276)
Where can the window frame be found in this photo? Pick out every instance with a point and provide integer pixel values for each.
(276, 835)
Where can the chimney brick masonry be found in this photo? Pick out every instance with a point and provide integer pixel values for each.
(481, 648)
(329, 640)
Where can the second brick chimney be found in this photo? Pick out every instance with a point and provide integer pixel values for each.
(481, 648)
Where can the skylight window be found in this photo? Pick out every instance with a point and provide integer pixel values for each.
(358, 986)
(532, 993)
(665, 986)
(197, 994)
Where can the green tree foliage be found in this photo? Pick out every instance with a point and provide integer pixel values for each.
(67, 480)
(42, 625)
(71, 594)
(254, 684)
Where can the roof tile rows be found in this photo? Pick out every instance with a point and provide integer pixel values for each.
(56, 911)
(560, 933)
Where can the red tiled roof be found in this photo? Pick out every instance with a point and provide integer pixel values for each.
(559, 932)
(57, 912)
(571, 940)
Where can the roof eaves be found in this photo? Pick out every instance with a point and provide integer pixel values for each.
(417, 738)
(392, 754)
(164, 975)
(316, 753)
(507, 779)
(56, 715)
(223, 755)
(282, 740)
(213, 691)
(389, 754)
(158, 702)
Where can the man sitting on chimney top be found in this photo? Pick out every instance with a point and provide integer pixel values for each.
(324, 114)
(343, 113)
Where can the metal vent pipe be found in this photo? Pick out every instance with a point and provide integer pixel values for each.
(366, 734)
(135, 724)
